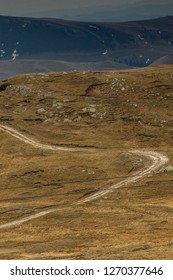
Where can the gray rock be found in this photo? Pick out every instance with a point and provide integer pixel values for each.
(168, 168)
(79, 118)
(48, 94)
(67, 121)
(23, 90)
(84, 110)
(41, 111)
(91, 110)
(47, 121)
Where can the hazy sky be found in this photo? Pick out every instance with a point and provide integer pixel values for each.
(58, 8)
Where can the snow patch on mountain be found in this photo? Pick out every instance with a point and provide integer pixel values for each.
(2, 52)
(104, 53)
(14, 54)
(93, 26)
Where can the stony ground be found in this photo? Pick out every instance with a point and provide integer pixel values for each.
(106, 113)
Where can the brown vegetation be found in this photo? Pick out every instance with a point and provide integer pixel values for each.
(109, 113)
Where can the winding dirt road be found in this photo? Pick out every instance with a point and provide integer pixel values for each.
(32, 142)
(157, 160)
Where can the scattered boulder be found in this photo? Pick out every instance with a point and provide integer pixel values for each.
(41, 111)
(79, 118)
(84, 110)
(47, 121)
(168, 168)
(67, 121)
(22, 89)
(48, 94)
(91, 110)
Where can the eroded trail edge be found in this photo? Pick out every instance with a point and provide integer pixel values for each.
(157, 161)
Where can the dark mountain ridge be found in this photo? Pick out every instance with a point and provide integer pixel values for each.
(136, 44)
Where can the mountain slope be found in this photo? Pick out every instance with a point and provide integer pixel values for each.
(167, 59)
(10, 68)
(135, 43)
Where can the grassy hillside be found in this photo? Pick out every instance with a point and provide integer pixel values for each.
(106, 114)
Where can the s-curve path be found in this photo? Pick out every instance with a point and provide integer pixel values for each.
(157, 160)
(32, 142)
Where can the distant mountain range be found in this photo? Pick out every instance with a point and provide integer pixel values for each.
(99, 10)
(85, 44)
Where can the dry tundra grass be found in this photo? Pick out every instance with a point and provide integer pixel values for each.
(105, 114)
